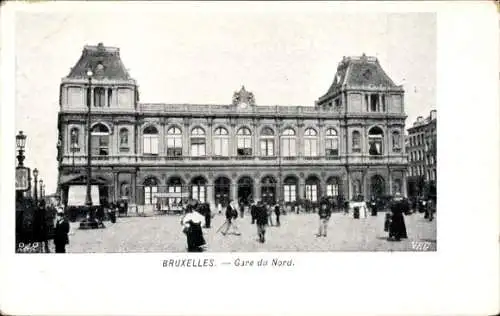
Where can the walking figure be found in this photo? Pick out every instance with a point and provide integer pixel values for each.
(231, 216)
(397, 227)
(192, 224)
(61, 232)
(261, 219)
(324, 216)
(277, 213)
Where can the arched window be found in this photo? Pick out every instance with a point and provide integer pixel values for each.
(396, 141)
(199, 189)
(244, 139)
(375, 141)
(331, 143)
(221, 142)
(124, 140)
(150, 190)
(267, 142)
(99, 97)
(74, 140)
(100, 140)
(332, 187)
(288, 141)
(198, 142)
(312, 189)
(174, 142)
(356, 141)
(150, 140)
(175, 189)
(310, 143)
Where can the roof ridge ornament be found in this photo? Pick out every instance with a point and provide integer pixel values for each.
(243, 98)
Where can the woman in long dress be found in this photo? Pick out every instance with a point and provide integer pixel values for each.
(192, 224)
(397, 227)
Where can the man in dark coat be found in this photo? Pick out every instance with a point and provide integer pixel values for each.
(61, 232)
(262, 220)
(324, 217)
(277, 212)
(253, 211)
(397, 227)
(231, 216)
(207, 213)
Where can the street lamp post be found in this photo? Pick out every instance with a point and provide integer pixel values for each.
(90, 221)
(20, 143)
(41, 189)
(35, 193)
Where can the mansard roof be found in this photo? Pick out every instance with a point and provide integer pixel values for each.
(105, 63)
(363, 71)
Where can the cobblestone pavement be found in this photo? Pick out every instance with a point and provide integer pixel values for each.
(296, 233)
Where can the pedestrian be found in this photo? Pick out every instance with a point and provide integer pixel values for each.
(253, 211)
(192, 223)
(61, 232)
(397, 227)
(208, 214)
(269, 214)
(242, 209)
(324, 217)
(374, 206)
(261, 220)
(277, 213)
(430, 209)
(231, 216)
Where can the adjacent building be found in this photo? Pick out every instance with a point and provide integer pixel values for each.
(349, 143)
(422, 153)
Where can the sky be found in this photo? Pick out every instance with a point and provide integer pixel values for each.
(202, 54)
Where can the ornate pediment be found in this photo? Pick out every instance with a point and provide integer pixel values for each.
(243, 98)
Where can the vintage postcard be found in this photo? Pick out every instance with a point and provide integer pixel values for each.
(246, 139)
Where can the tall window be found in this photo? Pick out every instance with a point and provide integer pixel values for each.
(290, 190)
(221, 142)
(288, 142)
(174, 142)
(100, 140)
(99, 97)
(74, 140)
(110, 97)
(312, 185)
(150, 191)
(150, 140)
(244, 139)
(331, 143)
(375, 141)
(356, 141)
(124, 140)
(374, 102)
(310, 142)
(267, 142)
(396, 141)
(198, 142)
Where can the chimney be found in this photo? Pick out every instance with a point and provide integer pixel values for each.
(419, 119)
(433, 115)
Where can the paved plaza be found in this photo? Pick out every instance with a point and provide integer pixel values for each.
(162, 233)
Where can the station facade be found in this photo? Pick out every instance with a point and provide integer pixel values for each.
(350, 143)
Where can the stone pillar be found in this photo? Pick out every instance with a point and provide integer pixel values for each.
(380, 107)
(403, 188)
(116, 186)
(257, 193)
(106, 104)
(348, 186)
(233, 142)
(390, 181)
(114, 98)
(321, 145)
(300, 139)
(234, 191)
(209, 139)
(302, 187)
(322, 187)
(133, 187)
(255, 141)
(210, 193)
(185, 139)
(364, 184)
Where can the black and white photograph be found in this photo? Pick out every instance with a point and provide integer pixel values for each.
(241, 137)
(280, 139)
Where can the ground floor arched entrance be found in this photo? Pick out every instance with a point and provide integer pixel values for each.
(268, 190)
(245, 190)
(222, 190)
(377, 186)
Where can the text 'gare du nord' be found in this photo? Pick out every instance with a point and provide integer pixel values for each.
(350, 143)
